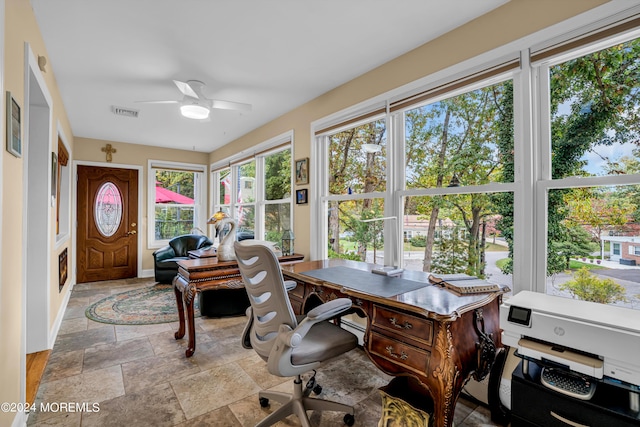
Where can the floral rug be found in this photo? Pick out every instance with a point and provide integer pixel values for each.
(145, 306)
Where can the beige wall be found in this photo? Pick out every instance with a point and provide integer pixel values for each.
(512, 21)
(20, 27)
(135, 154)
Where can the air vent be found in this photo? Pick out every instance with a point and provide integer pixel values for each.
(121, 111)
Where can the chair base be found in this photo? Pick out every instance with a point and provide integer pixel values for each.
(298, 404)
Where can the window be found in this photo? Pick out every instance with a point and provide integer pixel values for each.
(175, 198)
(262, 204)
(357, 178)
(526, 172)
(450, 145)
(594, 166)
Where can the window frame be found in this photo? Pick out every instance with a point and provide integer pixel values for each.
(259, 153)
(544, 181)
(200, 194)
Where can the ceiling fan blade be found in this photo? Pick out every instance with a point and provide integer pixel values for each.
(229, 105)
(186, 89)
(156, 102)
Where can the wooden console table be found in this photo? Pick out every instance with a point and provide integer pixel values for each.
(203, 274)
(413, 328)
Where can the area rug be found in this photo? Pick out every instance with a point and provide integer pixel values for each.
(145, 306)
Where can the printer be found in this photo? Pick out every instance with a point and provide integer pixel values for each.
(593, 339)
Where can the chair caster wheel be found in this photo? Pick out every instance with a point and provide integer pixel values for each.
(317, 389)
(264, 402)
(349, 419)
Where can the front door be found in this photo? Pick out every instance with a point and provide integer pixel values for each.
(107, 245)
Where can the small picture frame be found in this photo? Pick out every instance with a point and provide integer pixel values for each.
(14, 137)
(302, 171)
(301, 197)
(54, 174)
(62, 269)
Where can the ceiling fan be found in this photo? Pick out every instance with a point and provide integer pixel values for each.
(195, 105)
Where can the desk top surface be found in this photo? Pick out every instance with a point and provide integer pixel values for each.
(209, 263)
(429, 300)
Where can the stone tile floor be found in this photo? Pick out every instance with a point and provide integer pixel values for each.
(139, 376)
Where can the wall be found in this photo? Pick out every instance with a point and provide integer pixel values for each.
(509, 22)
(20, 27)
(135, 154)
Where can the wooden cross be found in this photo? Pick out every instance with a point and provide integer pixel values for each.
(109, 150)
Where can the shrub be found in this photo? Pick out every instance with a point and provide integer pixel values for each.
(350, 256)
(588, 287)
(419, 241)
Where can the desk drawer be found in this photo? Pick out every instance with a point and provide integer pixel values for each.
(399, 353)
(403, 324)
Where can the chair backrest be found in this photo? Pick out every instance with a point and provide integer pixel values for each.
(181, 245)
(267, 293)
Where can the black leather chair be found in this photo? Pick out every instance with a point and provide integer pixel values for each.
(166, 259)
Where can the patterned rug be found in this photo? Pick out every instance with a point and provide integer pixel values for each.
(145, 306)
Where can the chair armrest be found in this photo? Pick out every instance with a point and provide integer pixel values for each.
(164, 253)
(293, 338)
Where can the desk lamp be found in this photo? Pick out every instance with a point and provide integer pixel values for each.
(388, 270)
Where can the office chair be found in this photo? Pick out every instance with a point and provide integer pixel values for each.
(291, 346)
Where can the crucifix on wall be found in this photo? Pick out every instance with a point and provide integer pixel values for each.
(109, 150)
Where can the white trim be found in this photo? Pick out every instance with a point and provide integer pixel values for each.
(263, 146)
(74, 205)
(63, 238)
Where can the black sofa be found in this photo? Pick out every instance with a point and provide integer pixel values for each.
(166, 259)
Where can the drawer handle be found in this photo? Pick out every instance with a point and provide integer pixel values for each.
(566, 421)
(402, 356)
(406, 325)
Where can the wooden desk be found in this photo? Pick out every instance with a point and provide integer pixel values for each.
(201, 274)
(428, 333)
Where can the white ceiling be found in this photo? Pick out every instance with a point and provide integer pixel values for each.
(273, 54)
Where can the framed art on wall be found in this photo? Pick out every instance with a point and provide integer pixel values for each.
(301, 196)
(302, 171)
(14, 141)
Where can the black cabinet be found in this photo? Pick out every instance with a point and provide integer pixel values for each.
(533, 404)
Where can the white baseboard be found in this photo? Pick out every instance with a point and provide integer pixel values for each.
(53, 332)
(146, 273)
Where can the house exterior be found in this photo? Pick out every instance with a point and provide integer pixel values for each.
(624, 249)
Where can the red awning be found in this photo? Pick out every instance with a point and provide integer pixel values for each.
(164, 195)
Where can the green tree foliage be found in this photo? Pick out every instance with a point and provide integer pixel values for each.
(601, 92)
(452, 250)
(352, 170)
(453, 143)
(588, 287)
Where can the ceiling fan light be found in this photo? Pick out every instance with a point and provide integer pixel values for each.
(194, 111)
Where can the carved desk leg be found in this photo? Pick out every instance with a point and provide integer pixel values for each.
(189, 296)
(446, 375)
(177, 289)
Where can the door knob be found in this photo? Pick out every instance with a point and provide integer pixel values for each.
(131, 232)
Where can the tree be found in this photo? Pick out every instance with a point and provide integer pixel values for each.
(352, 170)
(452, 143)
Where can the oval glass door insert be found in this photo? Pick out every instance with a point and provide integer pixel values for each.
(108, 209)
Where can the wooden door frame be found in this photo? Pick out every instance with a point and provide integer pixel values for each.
(74, 208)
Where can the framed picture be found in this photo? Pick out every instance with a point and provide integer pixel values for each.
(54, 174)
(62, 269)
(14, 139)
(302, 171)
(301, 197)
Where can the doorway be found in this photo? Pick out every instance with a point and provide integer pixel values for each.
(107, 216)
